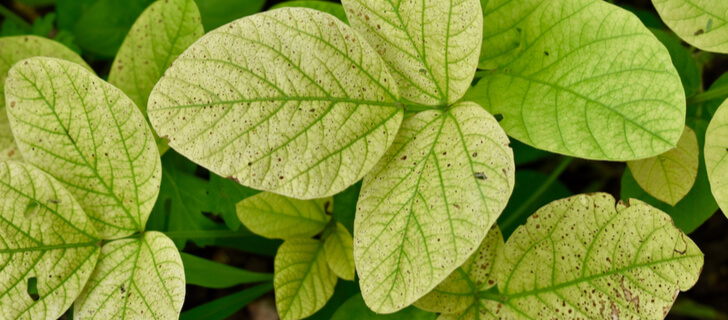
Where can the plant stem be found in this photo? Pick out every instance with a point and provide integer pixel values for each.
(711, 94)
(512, 218)
(206, 234)
(10, 15)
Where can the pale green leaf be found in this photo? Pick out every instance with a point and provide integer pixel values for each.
(671, 175)
(12, 50)
(431, 47)
(90, 137)
(334, 9)
(501, 37)
(278, 217)
(428, 204)
(716, 148)
(340, 252)
(290, 101)
(45, 236)
(590, 81)
(701, 23)
(137, 278)
(303, 281)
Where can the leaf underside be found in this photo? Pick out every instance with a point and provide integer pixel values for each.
(716, 148)
(701, 23)
(278, 217)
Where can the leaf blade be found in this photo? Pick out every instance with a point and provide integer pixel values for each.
(702, 23)
(716, 145)
(277, 217)
(339, 250)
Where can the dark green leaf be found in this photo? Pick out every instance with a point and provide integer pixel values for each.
(226, 306)
(102, 27)
(218, 12)
(355, 309)
(210, 274)
(345, 206)
(223, 195)
(682, 60)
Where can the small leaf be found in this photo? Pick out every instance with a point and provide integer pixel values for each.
(590, 81)
(90, 136)
(355, 309)
(427, 205)
(332, 8)
(339, 252)
(289, 101)
(226, 306)
(303, 281)
(198, 271)
(278, 217)
(432, 47)
(140, 278)
(12, 50)
(671, 175)
(716, 148)
(56, 245)
(703, 24)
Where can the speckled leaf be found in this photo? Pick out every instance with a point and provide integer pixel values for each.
(671, 175)
(12, 50)
(303, 281)
(340, 252)
(139, 278)
(45, 236)
(428, 204)
(432, 47)
(278, 217)
(589, 80)
(701, 23)
(290, 101)
(716, 148)
(90, 137)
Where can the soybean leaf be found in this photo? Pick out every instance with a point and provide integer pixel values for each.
(278, 217)
(583, 97)
(335, 9)
(289, 101)
(501, 34)
(46, 237)
(712, 104)
(339, 252)
(102, 26)
(356, 309)
(432, 48)
(210, 274)
(139, 278)
(683, 61)
(226, 306)
(716, 147)
(216, 13)
(90, 136)
(345, 209)
(671, 175)
(303, 281)
(427, 205)
(12, 50)
(342, 292)
(701, 23)
(69, 11)
(223, 195)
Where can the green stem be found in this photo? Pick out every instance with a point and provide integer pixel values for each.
(513, 217)
(206, 234)
(711, 94)
(10, 15)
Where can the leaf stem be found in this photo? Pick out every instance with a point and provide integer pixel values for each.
(10, 15)
(711, 94)
(521, 210)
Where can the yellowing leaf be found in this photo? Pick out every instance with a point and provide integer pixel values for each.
(278, 217)
(429, 203)
(716, 151)
(12, 50)
(303, 281)
(290, 101)
(701, 23)
(669, 176)
(340, 252)
(90, 136)
(139, 278)
(45, 236)
(589, 80)
(432, 47)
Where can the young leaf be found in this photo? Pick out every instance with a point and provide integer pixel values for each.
(303, 281)
(12, 50)
(332, 8)
(45, 236)
(429, 203)
(90, 136)
(355, 309)
(703, 23)
(226, 306)
(198, 272)
(290, 101)
(278, 217)
(140, 278)
(671, 175)
(339, 252)
(716, 147)
(570, 91)
(431, 47)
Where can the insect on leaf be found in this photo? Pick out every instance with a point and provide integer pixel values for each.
(701, 23)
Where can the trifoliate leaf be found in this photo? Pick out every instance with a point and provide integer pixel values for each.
(671, 175)
(90, 136)
(139, 278)
(45, 236)
(701, 23)
(428, 204)
(339, 252)
(12, 50)
(290, 101)
(716, 148)
(335, 9)
(501, 37)
(303, 281)
(431, 47)
(278, 217)
(590, 81)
